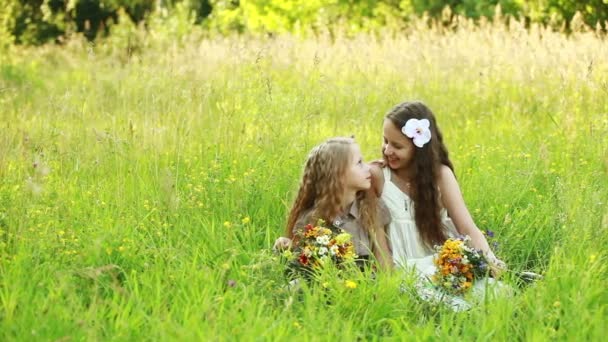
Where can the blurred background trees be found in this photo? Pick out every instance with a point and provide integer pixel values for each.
(33, 22)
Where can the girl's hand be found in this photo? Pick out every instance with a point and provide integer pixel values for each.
(281, 244)
(380, 162)
(497, 267)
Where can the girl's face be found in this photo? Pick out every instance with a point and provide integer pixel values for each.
(397, 148)
(357, 176)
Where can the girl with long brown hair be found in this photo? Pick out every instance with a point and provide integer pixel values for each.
(336, 187)
(418, 185)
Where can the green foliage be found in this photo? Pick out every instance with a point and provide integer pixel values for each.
(28, 22)
(563, 11)
(40, 21)
(353, 16)
(279, 16)
(468, 8)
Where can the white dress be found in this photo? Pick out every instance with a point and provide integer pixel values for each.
(410, 252)
(407, 246)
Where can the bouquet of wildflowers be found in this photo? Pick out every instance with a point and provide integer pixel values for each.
(458, 265)
(318, 246)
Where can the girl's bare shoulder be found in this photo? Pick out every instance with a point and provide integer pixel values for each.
(448, 186)
(445, 173)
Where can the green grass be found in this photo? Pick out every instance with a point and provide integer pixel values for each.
(135, 185)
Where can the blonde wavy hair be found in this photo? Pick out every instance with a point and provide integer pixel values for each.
(322, 187)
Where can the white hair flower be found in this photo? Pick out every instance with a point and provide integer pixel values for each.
(418, 131)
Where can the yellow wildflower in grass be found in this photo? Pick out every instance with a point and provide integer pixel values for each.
(246, 220)
(227, 224)
(350, 284)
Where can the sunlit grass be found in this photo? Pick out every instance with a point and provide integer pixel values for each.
(140, 194)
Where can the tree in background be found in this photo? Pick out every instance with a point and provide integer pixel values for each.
(279, 16)
(29, 21)
(468, 8)
(563, 11)
(40, 21)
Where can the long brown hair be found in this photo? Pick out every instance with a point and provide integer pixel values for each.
(322, 187)
(426, 166)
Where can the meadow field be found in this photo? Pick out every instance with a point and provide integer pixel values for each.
(143, 182)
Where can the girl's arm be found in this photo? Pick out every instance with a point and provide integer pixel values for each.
(458, 212)
(283, 243)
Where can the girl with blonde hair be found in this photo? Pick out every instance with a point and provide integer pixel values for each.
(336, 187)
